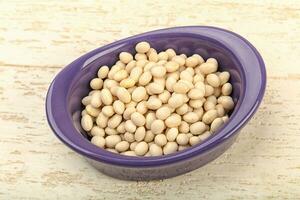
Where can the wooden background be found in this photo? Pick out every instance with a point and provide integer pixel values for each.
(38, 38)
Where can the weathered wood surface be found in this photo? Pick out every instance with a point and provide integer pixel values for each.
(38, 38)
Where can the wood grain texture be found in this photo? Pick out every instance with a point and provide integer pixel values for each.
(38, 38)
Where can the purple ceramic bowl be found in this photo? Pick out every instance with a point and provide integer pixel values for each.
(234, 53)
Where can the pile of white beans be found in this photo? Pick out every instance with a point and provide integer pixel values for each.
(152, 104)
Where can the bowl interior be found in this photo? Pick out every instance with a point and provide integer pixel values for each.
(182, 43)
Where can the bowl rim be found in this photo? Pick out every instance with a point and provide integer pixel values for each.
(226, 38)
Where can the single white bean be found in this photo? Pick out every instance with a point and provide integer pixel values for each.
(106, 97)
(130, 126)
(127, 83)
(194, 140)
(224, 77)
(216, 124)
(190, 117)
(87, 122)
(112, 140)
(156, 88)
(114, 121)
(157, 126)
(171, 66)
(123, 95)
(226, 102)
(122, 146)
(170, 83)
(197, 128)
(119, 107)
(170, 147)
(213, 80)
(160, 140)
(182, 109)
(191, 61)
(142, 47)
(145, 78)
(101, 120)
(173, 120)
(171, 134)
(141, 148)
(96, 83)
(141, 107)
(138, 119)
(209, 116)
(184, 127)
(98, 141)
(103, 72)
(226, 89)
(158, 71)
(176, 100)
(163, 113)
(155, 150)
(154, 103)
(129, 137)
(110, 131)
(96, 130)
(125, 57)
(94, 112)
(108, 111)
(139, 94)
(149, 136)
(208, 68)
(182, 139)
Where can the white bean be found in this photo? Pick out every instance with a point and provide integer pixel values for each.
(216, 124)
(139, 94)
(163, 113)
(141, 148)
(119, 107)
(112, 140)
(182, 139)
(125, 57)
(108, 111)
(173, 120)
(130, 126)
(197, 128)
(98, 141)
(170, 147)
(114, 121)
(87, 122)
(226, 102)
(226, 89)
(209, 116)
(160, 140)
(155, 88)
(155, 150)
(190, 117)
(123, 95)
(171, 134)
(157, 126)
(103, 72)
(138, 119)
(106, 97)
(158, 71)
(101, 120)
(213, 80)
